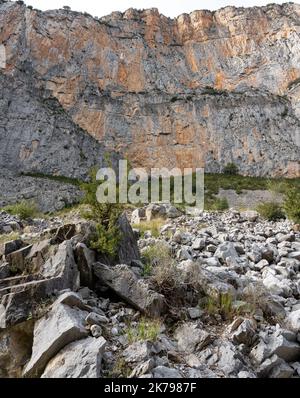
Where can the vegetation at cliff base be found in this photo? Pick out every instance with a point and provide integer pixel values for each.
(291, 205)
(271, 211)
(25, 209)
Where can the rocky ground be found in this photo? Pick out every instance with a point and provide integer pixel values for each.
(209, 295)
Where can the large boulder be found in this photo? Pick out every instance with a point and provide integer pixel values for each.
(125, 283)
(80, 359)
(15, 349)
(10, 246)
(276, 344)
(38, 255)
(16, 259)
(279, 287)
(55, 330)
(19, 301)
(209, 283)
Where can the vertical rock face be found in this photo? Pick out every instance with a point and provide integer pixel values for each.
(206, 88)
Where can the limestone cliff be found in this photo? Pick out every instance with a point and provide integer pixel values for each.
(206, 88)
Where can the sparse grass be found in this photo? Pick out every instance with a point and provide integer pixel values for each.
(25, 209)
(155, 256)
(153, 226)
(291, 205)
(222, 305)
(271, 211)
(145, 330)
(278, 187)
(179, 291)
(120, 369)
(8, 237)
(213, 183)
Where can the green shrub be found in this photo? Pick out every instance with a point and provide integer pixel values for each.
(145, 330)
(231, 169)
(277, 186)
(107, 235)
(271, 211)
(221, 305)
(291, 205)
(25, 209)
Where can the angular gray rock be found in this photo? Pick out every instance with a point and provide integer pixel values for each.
(124, 282)
(163, 372)
(84, 259)
(268, 365)
(59, 272)
(143, 368)
(137, 352)
(245, 333)
(15, 349)
(190, 338)
(128, 250)
(229, 360)
(293, 321)
(96, 319)
(226, 250)
(282, 371)
(55, 330)
(11, 246)
(80, 359)
(287, 350)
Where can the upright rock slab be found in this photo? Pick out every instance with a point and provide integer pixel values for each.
(80, 359)
(61, 326)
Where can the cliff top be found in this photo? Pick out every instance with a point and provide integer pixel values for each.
(137, 14)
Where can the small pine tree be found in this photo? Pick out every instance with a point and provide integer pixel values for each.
(106, 215)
